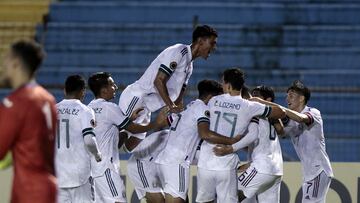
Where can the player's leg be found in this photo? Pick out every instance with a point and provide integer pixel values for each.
(130, 100)
(315, 190)
(206, 187)
(175, 182)
(109, 187)
(251, 182)
(143, 176)
(272, 194)
(226, 186)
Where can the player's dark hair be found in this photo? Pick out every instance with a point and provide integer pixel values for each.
(74, 84)
(30, 53)
(301, 89)
(209, 87)
(265, 92)
(203, 31)
(97, 81)
(235, 77)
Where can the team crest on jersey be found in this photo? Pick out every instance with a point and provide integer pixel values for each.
(207, 114)
(173, 65)
(93, 123)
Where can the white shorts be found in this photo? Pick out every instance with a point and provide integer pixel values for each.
(175, 179)
(252, 183)
(219, 184)
(109, 187)
(83, 193)
(130, 100)
(144, 175)
(315, 190)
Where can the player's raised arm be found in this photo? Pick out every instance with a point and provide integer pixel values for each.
(274, 110)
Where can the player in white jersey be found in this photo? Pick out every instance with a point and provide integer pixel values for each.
(164, 81)
(305, 128)
(185, 132)
(75, 139)
(261, 181)
(109, 121)
(230, 114)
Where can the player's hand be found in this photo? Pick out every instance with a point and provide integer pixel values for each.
(136, 114)
(243, 167)
(175, 109)
(222, 150)
(98, 157)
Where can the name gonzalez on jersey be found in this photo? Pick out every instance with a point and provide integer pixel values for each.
(227, 105)
(68, 111)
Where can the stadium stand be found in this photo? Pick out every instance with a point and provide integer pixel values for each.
(275, 41)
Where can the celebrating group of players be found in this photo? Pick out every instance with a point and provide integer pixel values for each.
(226, 117)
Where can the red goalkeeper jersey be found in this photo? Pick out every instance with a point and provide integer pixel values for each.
(27, 128)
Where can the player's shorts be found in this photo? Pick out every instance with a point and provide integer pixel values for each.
(131, 99)
(175, 179)
(83, 193)
(109, 187)
(219, 184)
(316, 189)
(144, 175)
(251, 182)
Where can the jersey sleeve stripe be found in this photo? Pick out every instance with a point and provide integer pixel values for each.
(255, 120)
(124, 123)
(87, 129)
(310, 117)
(89, 133)
(166, 70)
(267, 111)
(169, 120)
(203, 119)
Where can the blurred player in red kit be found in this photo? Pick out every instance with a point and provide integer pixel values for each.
(28, 123)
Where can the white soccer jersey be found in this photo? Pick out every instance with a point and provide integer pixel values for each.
(151, 146)
(266, 153)
(183, 137)
(72, 160)
(176, 62)
(229, 116)
(109, 120)
(309, 144)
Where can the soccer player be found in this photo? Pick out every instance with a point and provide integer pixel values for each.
(185, 132)
(109, 121)
(28, 123)
(164, 81)
(75, 139)
(262, 180)
(230, 114)
(305, 128)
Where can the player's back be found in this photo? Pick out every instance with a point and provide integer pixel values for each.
(109, 119)
(183, 137)
(33, 151)
(266, 154)
(72, 158)
(229, 116)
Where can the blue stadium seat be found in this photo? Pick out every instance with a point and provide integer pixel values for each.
(229, 35)
(216, 12)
